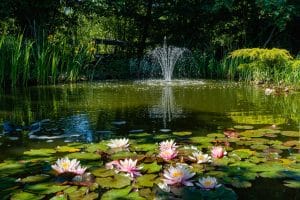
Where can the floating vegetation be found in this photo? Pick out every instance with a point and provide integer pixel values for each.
(146, 167)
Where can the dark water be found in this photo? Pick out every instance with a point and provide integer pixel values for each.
(88, 112)
(53, 115)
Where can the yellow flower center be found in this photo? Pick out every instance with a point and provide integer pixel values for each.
(177, 174)
(208, 183)
(200, 157)
(65, 165)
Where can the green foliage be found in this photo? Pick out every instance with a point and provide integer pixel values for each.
(268, 65)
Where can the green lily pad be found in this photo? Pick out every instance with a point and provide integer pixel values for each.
(220, 162)
(200, 139)
(7, 182)
(151, 168)
(215, 135)
(292, 183)
(102, 172)
(243, 127)
(59, 197)
(70, 189)
(271, 174)
(291, 143)
(36, 178)
(259, 146)
(182, 133)
(147, 180)
(242, 153)
(140, 135)
(144, 147)
(40, 152)
(240, 183)
(26, 196)
(10, 168)
(252, 133)
(84, 156)
(291, 133)
(45, 188)
(102, 146)
(123, 155)
(116, 194)
(117, 181)
(67, 149)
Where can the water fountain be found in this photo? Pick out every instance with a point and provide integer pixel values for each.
(167, 56)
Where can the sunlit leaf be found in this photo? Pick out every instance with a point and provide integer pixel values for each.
(117, 181)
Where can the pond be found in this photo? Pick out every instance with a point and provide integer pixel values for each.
(261, 130)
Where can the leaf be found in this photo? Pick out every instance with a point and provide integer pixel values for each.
(59, 197)
(240, 183)
(84, 156)
(102, 146)
(259, 146)
(146, 180)
(242, 153)
(182, 133)
(102, 172)
(252, 133)
(118, 181)
(26, 196)
(144, 147)
(292, 183)
(123, 155)
(45, 188)
(67, 149)
(116, 194)
(40, 152)
(36, 178)
(215, 135)
(151, 168)
(291, 133)
(243, 127)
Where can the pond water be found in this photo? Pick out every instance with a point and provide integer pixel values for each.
(47, 116)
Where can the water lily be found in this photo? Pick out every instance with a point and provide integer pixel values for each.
(129, 166)
(218, 152)
(118, 143)
(168, 144)
(65, 165)
(200, 157)
(112, 164)
(168, 154)
(178, 175)
(164, 187)
(208, 183)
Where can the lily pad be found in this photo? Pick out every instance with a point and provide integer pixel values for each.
(291, 143)
(117, 181)
(151, 168)
(84, 156)
(102, 146)
(102, 172)
(116, 194)
(252, 133)
(67, 149)
(243, 127)
(144, 147)
(7, 182)
(147, 180)
(200, 139)
(36, 178)
(242, 153)
(291, 133)
(292, 183)
(182, 133)
(45, 188)
(123, 155)
(259, 146)
(40, 152)
(59, 197)
(26, 196)
(271, 174)
(215, 135)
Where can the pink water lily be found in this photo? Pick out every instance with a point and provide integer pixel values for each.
(168, 154)
(119, 143)
(218, 152)
(65, 165)
(178, 175)
(129, 166)
(168, 144)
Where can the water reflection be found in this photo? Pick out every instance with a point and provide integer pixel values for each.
(166, 109)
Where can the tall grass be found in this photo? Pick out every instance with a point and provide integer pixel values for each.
(41, 61)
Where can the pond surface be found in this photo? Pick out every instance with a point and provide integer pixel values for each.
(48, 116)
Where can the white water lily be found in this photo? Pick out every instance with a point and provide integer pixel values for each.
(200, 157)
(178, 175)
(168, 154)
(164, 187)
(208, 183)
(65, 165)
(168, 144)
(118, 143)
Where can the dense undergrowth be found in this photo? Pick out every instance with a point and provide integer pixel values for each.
(60, 59)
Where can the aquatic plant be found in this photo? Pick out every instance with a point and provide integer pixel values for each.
(119, 143)
(199, 157)
(129, 166)
(179, 175)
(168, 144)
(218, 152)
(168, 154)
(208, 183)
(65, 165)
